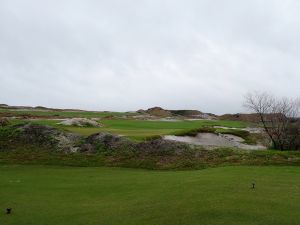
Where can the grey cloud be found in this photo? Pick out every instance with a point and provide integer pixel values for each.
(131, 54)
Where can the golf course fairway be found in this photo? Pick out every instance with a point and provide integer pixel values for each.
(89, 195)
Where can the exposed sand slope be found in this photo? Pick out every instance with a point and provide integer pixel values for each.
(215, 140)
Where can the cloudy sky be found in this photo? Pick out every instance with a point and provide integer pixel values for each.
(130, 54)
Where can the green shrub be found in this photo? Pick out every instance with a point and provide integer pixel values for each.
(4, 122)
(151, 138)
(194, 132)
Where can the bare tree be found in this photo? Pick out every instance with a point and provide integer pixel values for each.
(279, 117)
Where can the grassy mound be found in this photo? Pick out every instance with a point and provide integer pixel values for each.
(36, 144)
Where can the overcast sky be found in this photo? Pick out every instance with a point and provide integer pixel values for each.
(131, 54)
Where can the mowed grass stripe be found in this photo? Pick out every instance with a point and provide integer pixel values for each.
(47, 195)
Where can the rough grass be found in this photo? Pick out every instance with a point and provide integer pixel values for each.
(47, 195)
(187, 159)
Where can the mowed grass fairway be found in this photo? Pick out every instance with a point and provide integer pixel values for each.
(72, 195)
(141, 129)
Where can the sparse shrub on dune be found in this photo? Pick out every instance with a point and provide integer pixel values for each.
(36, 144)
(4, 122)
(194, 132)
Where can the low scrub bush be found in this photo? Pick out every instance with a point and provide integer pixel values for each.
(4, 122)
(194, 132)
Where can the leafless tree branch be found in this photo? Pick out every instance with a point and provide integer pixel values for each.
(279, 117)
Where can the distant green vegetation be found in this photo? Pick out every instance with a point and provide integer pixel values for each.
(48, 195)
(64, 114)
(142, 129)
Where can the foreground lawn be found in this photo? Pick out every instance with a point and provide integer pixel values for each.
(72, 195)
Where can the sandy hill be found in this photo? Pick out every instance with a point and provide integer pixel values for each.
(160, 112)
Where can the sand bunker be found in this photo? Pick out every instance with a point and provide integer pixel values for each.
(253, 130)
(215, 140)
(80, 122)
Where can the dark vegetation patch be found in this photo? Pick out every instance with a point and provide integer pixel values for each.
(194, 132)
(156, 111)
(186, 112)
(151, 138)
(4, 122)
